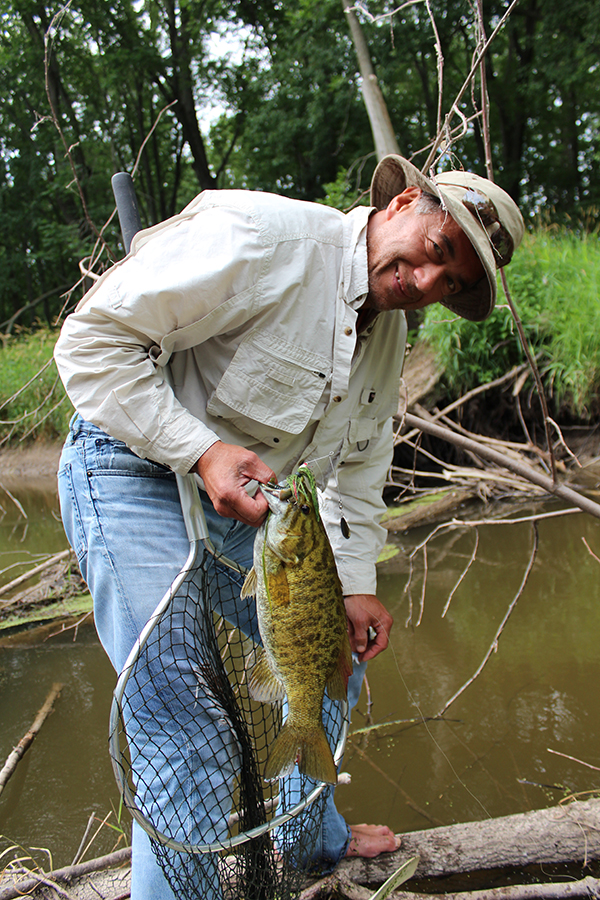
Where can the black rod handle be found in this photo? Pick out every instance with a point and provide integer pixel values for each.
(127, 208)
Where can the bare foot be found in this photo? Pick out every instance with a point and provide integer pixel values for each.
(371, 840)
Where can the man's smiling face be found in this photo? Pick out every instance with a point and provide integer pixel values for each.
(416, 258)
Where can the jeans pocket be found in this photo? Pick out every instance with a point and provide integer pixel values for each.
(105, 454)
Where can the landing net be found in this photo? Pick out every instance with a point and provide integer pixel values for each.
(188, 747)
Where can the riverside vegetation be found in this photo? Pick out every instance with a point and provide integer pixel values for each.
(554, 281)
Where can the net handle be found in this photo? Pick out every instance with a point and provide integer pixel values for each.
(192, 509)
(191, 504)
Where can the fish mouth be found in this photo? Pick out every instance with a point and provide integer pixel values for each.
(277, 496)
(280, 491)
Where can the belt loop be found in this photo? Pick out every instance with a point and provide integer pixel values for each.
(75, 425)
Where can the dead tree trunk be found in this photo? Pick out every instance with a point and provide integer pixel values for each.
(379, 117)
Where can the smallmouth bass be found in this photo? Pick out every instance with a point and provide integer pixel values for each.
(302, 621)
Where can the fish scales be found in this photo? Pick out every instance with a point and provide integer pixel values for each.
(302, 620)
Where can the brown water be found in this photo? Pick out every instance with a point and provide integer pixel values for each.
(490, 755)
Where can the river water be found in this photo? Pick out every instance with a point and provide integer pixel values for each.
(523, 735)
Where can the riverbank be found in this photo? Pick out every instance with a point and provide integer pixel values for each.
(33, 466)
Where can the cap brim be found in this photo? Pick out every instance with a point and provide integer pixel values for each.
(392, 176)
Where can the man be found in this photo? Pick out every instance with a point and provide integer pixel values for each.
(283, 325)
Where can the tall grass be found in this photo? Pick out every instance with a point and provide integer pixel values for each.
(33, 403)
(554, 282)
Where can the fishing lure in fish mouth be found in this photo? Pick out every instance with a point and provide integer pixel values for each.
(302, 488)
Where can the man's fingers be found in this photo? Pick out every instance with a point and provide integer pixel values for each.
(369, 625)
(241, 506)
(226, 470)
(378, 639)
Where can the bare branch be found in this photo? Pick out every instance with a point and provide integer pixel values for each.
(590, 551)
(537, 517)
(516, 466)
(358, 7)
(574, 759)
(562, 443)
(440, 66)
(508, 376)
(54, 24)
(25, 885)
(462, 577)
(64, 554)
(466, 84)
(534, 370)
(26, 385)
(27, 739)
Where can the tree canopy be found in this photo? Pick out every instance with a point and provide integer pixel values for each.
(265, 95)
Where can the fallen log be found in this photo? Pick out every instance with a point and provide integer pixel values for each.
(501, 459)
(427, 509)
(25, 882)
(586, 887)
(568, 833)
(340, 886)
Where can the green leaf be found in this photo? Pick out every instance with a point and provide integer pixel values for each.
(406, 871)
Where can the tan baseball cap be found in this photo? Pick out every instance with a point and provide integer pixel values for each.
(488, 215)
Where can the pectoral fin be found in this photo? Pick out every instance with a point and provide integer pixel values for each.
(250, 585)
(263, 684)
(278, 588)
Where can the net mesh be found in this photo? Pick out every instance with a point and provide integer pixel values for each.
(188, 746)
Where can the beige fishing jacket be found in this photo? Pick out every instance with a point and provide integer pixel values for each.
(252, 298)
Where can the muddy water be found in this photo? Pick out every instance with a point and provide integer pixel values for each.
(539, 691)
(490, 756)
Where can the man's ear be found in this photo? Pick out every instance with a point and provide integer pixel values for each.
(400, 201)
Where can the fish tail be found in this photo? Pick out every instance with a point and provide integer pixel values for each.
(308, 749)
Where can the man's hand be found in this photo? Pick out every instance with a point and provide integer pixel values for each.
(364, 611)
(225, 469)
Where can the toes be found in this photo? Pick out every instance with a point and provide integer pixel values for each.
(368, 841)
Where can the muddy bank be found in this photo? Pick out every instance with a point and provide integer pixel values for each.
(33, 467)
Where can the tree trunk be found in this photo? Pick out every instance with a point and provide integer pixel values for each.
(381, 125)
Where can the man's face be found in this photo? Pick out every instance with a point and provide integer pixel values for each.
(415, 259)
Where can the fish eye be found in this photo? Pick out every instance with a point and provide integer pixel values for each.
(305, 509)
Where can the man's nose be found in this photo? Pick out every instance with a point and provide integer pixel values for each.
(428, 278)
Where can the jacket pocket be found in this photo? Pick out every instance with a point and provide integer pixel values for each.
(270, 382)
(362, 433)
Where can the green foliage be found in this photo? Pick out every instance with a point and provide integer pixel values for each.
(344, 193)
(554, 282)
(138, 81)
(302, 117)
(33, 404)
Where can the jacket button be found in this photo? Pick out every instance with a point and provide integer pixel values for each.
(337, 399)
(347, 330)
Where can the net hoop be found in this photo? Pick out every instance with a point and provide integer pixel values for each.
(116, 716)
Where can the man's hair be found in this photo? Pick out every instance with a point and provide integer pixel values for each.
(427, 204)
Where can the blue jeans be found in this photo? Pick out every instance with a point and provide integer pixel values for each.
(122, 516)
